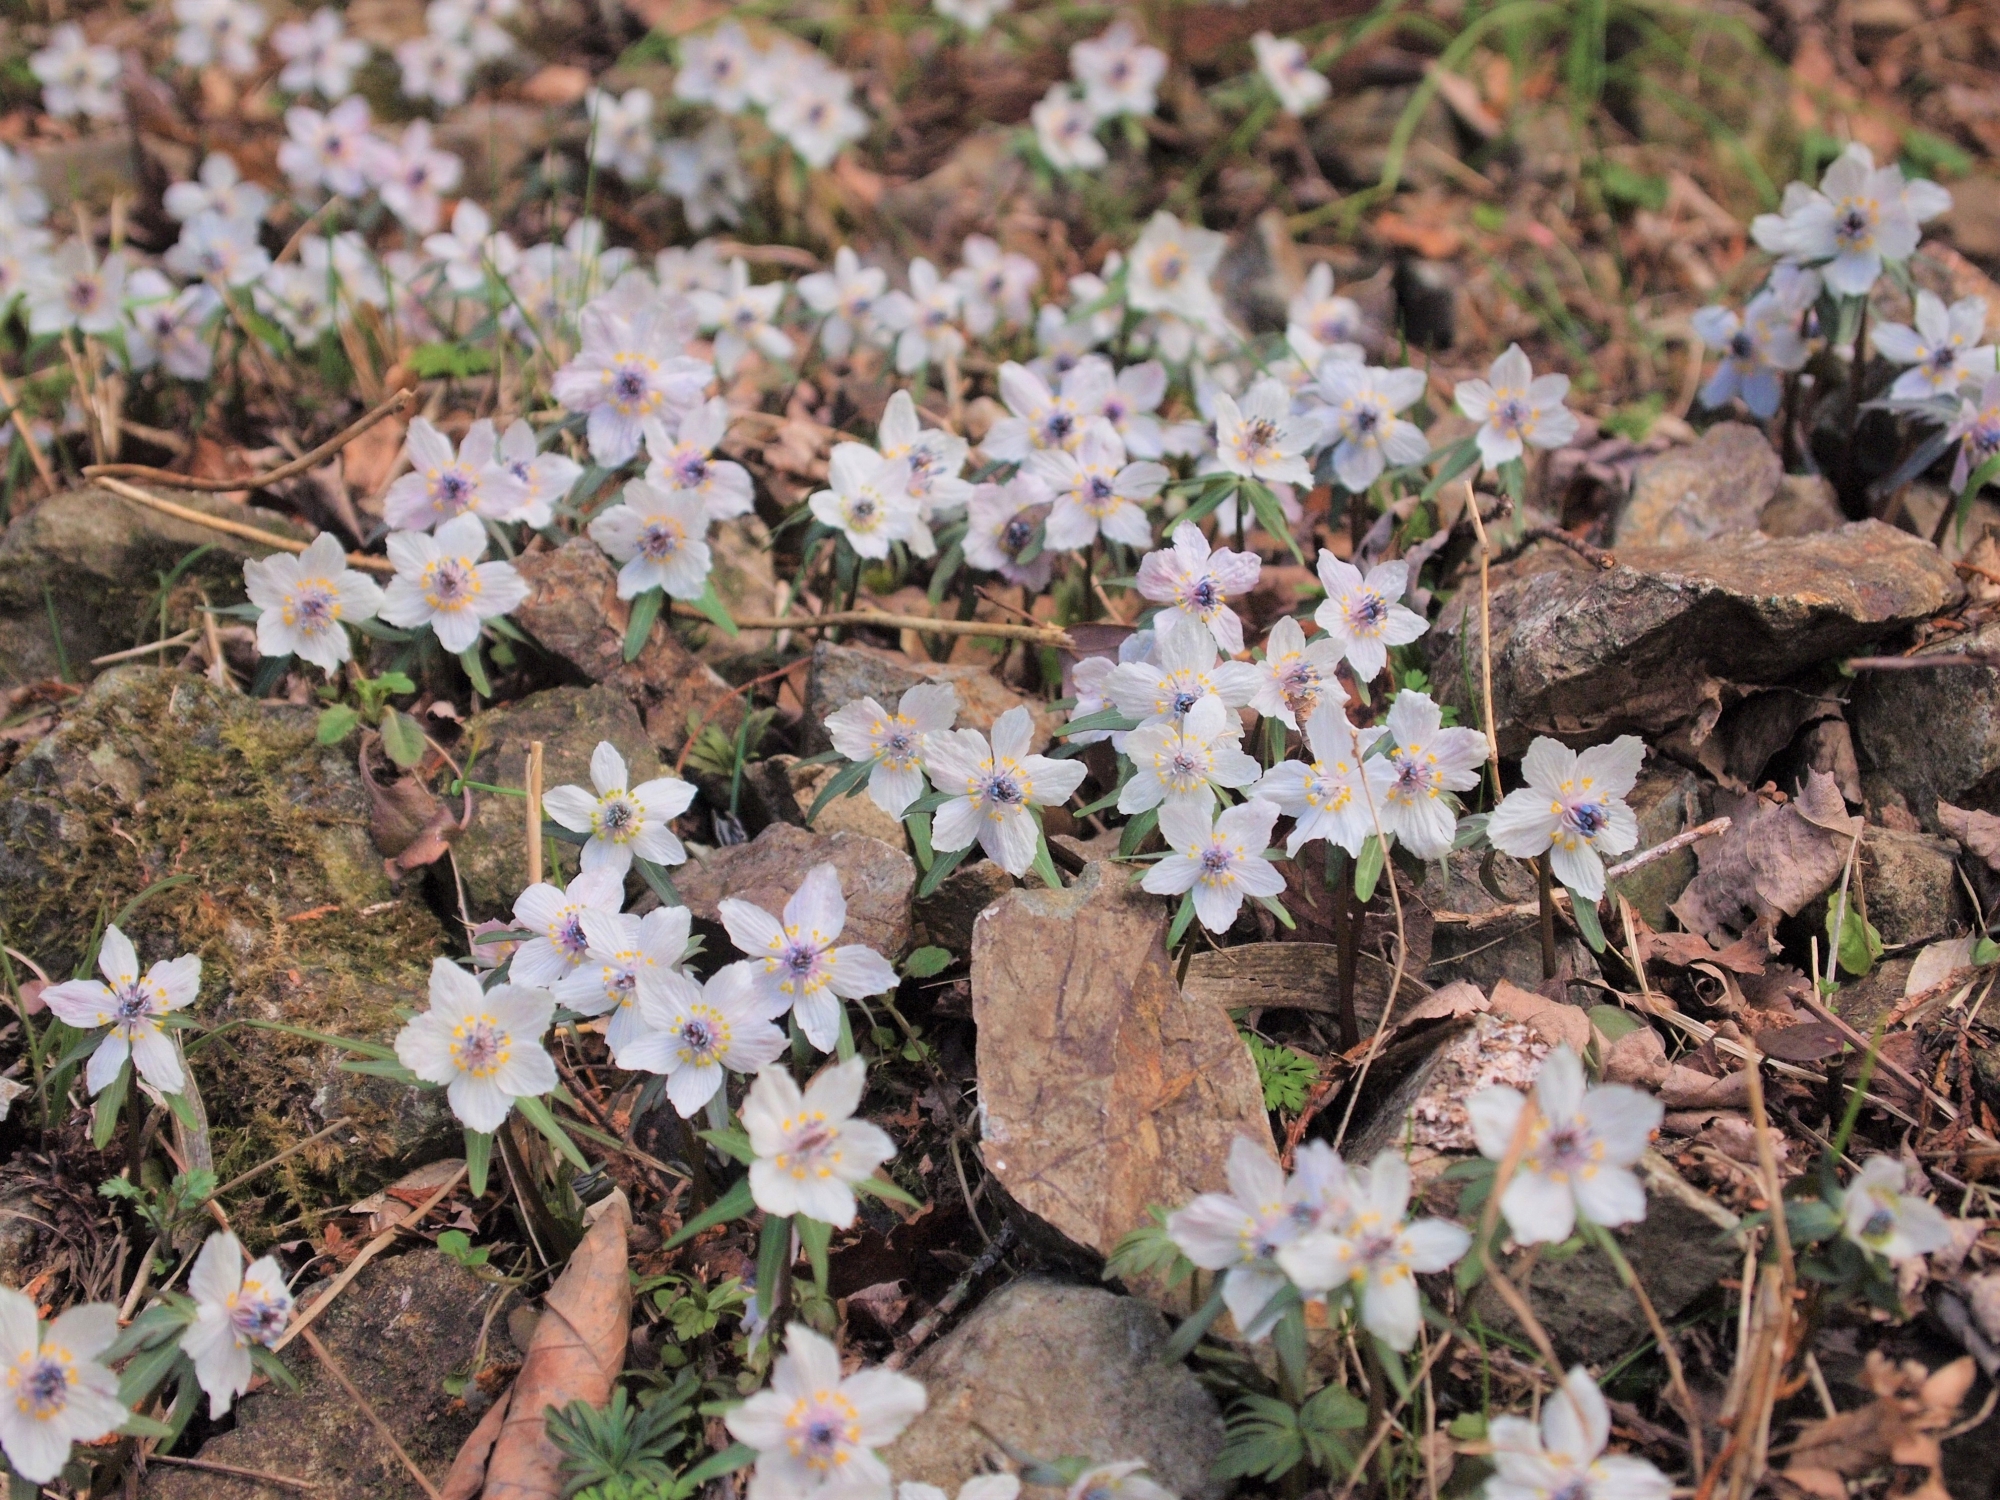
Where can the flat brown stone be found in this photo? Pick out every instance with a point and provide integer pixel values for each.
(877, 880)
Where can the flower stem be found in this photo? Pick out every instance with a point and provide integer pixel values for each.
(1548, 901)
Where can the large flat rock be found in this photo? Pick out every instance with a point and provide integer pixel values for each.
(877, 880)
(1660, 640)
(1103, 1089)
(1934, 733)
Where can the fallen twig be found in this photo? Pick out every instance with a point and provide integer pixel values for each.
(185, 638)
(921, 1331)
(1645, 857)
(1921, 663)
(367, 1253)
(1597, 557)
(1040, 635)
(272, 539)
(234, 1471)
(332, 1365)
(402, 401)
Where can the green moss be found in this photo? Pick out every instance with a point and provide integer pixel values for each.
(157, 774)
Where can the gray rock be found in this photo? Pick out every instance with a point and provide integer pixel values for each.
(1711, 488)
(95, 560)
(1668, 800)
(1059, 1371)
(841, 674)
(406, 1324)
(945, 918)
(1911, 887)
(1583, 653)
(1487, 952)
(1804, 503)
(1932, 735)
(569, 721)
(154, 774)
(1103, 1090)
(877, 880)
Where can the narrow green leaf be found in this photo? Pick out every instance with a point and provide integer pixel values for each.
(945, 863)
(658, 881)
(882, 1187)
(104, 1118)
(1183, 915)
(728, 1461)
(1368, 869)
(774, 1252)
(848, 781)
(1585, 913)
(478, 1160)
(475, 670)
(734, 1204)
(732, 1143)
(537, 1113)
(645, 610)
(1181, 1345)
(815, 1237)
(711, 605)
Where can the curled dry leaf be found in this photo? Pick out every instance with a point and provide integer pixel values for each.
(1978, 831)
(1772, 861)
(1912, 1406)
(411, 827)
(576, 1353)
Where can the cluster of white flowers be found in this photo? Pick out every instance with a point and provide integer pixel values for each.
(1112, 76)
(805, 100)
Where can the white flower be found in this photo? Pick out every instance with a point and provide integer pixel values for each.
(544, 478)
(437, 68)
(1129, 406)
(864, 730)
(1170, 269)
(1041, 418)
(1181, 761)
(622, 820)
(621, 132)
(706, 174)
(685, 460)
(1326, 795)
(1120, 74)
(58, 1393)
(931, 458)
(1376, 1254)
(1516, 409)
(994, 787)
(1096, 492)
(1066, 131)
(1426, 762)
(1756, 348)
(626, 958)
(1261, 439)
(440, 582)
(660, 535)
(795, 962)
(219, 191)
(846, 298)
(1940, 349)
(692, 1032)
(234, 1309)
(556, 916)
(474, 25)
(410, 176)
(1239, 1232)
(22, 202)
(1287, 68)
(816, 116)
(1190, 582)
(217, 249)
(1124, 1480)
(1221, 864)
(1579, 1150)
(630, 369)
(1358, 406)
(1364, 616)
(331, 150)
(1574, 805)
(1879, 1216)
(1292, 677)
(867, 503)
(1177, 674)
(444, 482)
(306, 600)
(1976, 429)
(319, 54)
(1001, 522)
(996, 284)
(171, 329)
(133, 1006)
(471, 249)
(810, 1149)
(485, 1046)
(925, 319)
(816, 1431)
(1325, 319)
(222, 32)
(1565, 1459)
(73, 289)
(718, 69)
(742, 317)
(975, 16)
(1860, 216)
(77, 78)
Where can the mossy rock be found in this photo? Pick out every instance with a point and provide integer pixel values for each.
(156, 774)
(569, 721)
(91, 562)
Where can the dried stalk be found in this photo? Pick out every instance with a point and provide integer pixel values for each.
(401, 402)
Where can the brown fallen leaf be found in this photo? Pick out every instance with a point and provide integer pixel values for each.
(1551, 1020)
(576, 1353)
(1912, 1406)
(1772, 861)
(411, 827)
(1978, 831)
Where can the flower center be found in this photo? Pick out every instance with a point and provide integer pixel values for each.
(133, 1005)
(258, 1318)
(691, 468)
(1005, 790)
(1878, 1225)
(1015, 535)
(567, 934)
(1512, 414)
(451, 583)
(312, 608)
(1588, 818)
(1258, 436)
(1366, 612)
(1202, 595)
(453, 489)
(661, 540)
(698, 1037)
(822, 1429)
(1854, 225)
(799, 958)
(84, 293)
(479, 1046)
(1215, 862)
(41, 1382)
(617, 818)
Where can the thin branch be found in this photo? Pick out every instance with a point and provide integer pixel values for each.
(401, 402)
(272, 539)
(325, 1357)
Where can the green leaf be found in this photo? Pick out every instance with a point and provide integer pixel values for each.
(711, 605)
(1183, 914)
(1181, 1345)
(734, 1204)
(402, 740)
(1104, 718)
(1284, 1073)
(1136, 831)
(1045, 864)
(336, 724)
(379, 1067)
(645, 610)
(918, 825)
(1809, 1220)
(478, 1160)
(1985, 951)
(1585, 913)
(1149, 1251)
(658, 881)
(734, 1144)
(104, 1117)
(926, 963)
(1368, 869)
(1264, 505)
(735, 1456)
(945, 863)
(1851, 937)
(146, 1371)
(475, 670)
(848, 781)
(1613, 1021)
(774, 1250)
(882, 1187)
(815, 1236)
(459, 361)
(535, 1110)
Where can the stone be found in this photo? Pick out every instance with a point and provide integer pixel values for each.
(1667, 801)
(1103, 1090)
(1053, 1370)
(877, 880)
(747, 584)
(1714, 487)
(406, 1324)
(1470, 942)
(1804, 503)
(1423, 1112)
(1934, 735)
(1584, 653)
(155, 774)
(856, 814)
(576, 613)
(945, 918)
(92, 170)
(841, 674)
(95, 559)
(569, 721)
(1910, 886)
